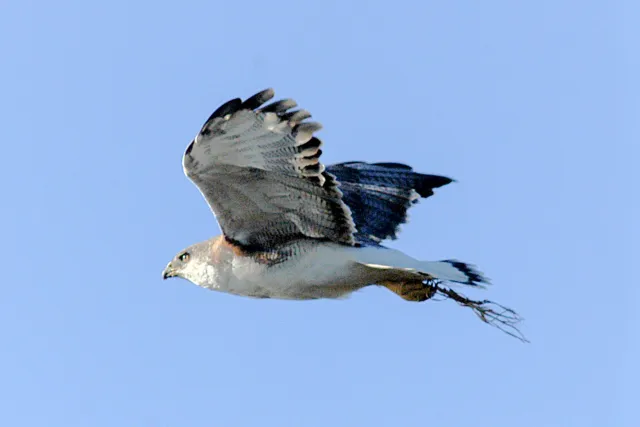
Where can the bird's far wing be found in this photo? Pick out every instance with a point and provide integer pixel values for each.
(380, 194)
(259, 170)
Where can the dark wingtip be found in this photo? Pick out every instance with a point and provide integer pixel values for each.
(394, 165)
(426, 183)
(228, 107)
(279, 107)
(258, 99)
(189, 148)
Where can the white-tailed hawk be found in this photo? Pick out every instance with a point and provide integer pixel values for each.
(295, 229)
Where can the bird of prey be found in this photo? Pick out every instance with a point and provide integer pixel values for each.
(295, 229)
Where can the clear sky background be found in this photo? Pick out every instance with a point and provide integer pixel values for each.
(532, 107)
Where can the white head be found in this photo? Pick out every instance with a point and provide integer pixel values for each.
(194, 264)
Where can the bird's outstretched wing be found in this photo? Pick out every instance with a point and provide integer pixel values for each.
(259, 169)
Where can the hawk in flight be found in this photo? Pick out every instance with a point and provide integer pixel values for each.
(295, 229)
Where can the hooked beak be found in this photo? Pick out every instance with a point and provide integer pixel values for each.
(168, 272)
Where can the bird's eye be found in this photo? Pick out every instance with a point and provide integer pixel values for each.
(184, 257)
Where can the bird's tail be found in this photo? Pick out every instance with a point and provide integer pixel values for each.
(415, 280)
(395, 265)
(451, 270)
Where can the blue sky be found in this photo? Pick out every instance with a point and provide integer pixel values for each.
(532, 107)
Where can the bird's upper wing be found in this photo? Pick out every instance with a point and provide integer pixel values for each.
(259, 170)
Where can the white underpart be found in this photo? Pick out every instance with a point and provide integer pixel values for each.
(318, 266)
(205, 275)
(330, 271)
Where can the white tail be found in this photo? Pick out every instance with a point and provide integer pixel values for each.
(446, 270)
(454, 271)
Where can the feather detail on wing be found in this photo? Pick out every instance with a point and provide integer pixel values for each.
(259, 170)
(380, 194)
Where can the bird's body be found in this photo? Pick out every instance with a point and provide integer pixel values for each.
(293, 229)
(305, 269)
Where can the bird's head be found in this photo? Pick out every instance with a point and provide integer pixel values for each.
(191, 264)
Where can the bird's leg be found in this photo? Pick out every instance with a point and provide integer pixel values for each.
(489, 312)
(411, 291)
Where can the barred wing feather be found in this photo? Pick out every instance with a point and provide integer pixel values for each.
(259, 170)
